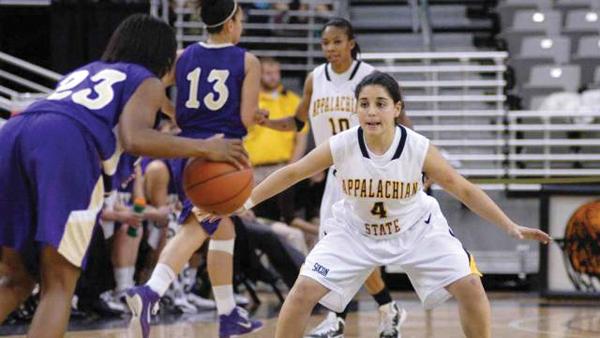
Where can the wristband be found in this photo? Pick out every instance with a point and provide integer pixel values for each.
(299, 123)
(248, 204)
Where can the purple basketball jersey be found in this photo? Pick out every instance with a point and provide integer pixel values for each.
(95, 95)
(51, 188)
(209, 83)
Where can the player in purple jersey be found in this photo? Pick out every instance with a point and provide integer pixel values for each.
(53, 154)
(218, 86)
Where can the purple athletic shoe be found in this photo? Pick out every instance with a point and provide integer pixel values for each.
(237, 323)
(143, 302)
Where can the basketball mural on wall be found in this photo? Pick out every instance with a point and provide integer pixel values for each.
(581, 247)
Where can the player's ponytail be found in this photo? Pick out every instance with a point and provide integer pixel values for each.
(347, 27)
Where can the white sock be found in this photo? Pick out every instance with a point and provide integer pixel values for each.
(224, 299)
(124, 278)
(191, 276)
(192, 272)
(161, 278)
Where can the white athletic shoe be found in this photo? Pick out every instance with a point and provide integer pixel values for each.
(331, 327)
(178, 298)
(181, 302)
(200, 302)
(241, 300)
(390, 320)
(113, 301)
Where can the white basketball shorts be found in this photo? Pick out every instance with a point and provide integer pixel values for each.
(429, 253)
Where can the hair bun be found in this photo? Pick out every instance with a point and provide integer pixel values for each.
(214, 12)
(208, 3)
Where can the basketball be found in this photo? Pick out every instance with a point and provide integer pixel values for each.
(581, 237)
(217, 187)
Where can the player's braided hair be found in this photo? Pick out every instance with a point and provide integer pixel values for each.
(143, 40)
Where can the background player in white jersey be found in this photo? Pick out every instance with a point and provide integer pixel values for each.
(328, 101)
(386, 218)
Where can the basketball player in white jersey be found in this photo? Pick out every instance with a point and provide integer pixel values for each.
(328, 102)
(386, 218)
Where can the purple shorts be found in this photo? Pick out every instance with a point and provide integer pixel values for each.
(176, 166)
(51, 187)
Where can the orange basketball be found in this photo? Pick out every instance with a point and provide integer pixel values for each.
(217, 187)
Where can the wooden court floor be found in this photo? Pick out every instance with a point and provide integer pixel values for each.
(514, 316)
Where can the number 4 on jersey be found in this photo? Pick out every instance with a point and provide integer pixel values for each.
(379, 210)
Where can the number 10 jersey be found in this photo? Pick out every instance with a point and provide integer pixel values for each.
(209, 82)
(332, 103)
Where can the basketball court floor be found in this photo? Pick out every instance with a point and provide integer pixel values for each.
(514, 316)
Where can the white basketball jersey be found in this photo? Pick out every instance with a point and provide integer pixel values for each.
(381, 199)
(332, 103)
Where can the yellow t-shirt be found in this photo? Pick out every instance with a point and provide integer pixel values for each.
(268, 146)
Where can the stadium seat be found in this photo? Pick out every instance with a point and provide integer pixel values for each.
(573, 4)
(589, 46)
(537, 21)
(506, 9)
(557, 48)
(581, 22)
(531, 22)
(546, 79)
(551, 76)
(537, 50)
(587, 57)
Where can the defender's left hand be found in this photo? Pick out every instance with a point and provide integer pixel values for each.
(525, 233)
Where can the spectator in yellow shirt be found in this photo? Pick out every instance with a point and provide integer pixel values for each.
(270, 150)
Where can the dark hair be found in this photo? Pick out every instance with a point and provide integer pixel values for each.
(143, 40)
(384, 80)
(215, 12)
(347, 27)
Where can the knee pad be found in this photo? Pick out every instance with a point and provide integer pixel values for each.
(222, 245)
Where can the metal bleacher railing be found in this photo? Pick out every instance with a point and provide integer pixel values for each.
(553, 144)
(18, 91)
(456, 99)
